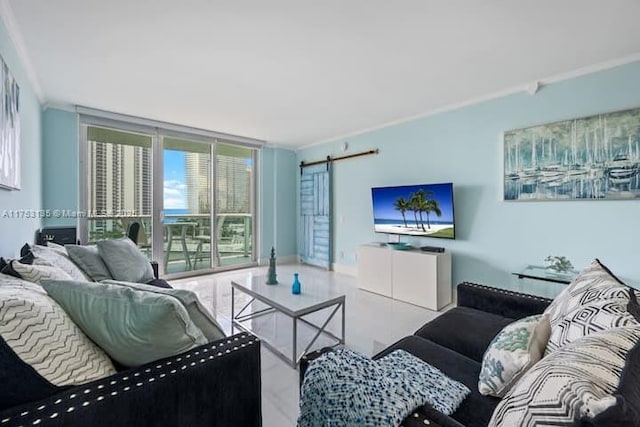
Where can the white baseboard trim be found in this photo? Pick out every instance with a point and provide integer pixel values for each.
(286, 259)
(349, 270)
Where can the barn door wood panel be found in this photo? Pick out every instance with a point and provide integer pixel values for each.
(315, 216)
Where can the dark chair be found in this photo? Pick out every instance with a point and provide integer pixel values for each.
(132, 232)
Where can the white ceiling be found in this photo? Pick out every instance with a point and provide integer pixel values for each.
(296, 72)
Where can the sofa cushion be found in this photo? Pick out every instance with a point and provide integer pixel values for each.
(125, 261)
(37, 332)
(626, 411)
(512, 352)
(90, 261)
(198, 314)
(8, 281)
(20, 382)
(576, 381)
(465, 330)
(475, 410)
(133, 326)
(596, 300)
(36, 272)
(59, 259)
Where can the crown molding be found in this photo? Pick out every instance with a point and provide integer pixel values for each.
(590, 69)
(526, 87)
(59, 106)
(279, 146)
(6, 12)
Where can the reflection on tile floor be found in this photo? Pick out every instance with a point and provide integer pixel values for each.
(372, 323)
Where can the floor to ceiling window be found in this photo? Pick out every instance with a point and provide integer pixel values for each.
(234, 204)
(118, 183)
(193, 214)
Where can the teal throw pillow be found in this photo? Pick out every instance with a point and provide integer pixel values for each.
(516, 348)
(125, 261)
(89, 260)
(133, 326)
(198, 314)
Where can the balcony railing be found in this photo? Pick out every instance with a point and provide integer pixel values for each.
(186, 237)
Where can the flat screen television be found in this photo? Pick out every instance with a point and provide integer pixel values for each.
(415, 210)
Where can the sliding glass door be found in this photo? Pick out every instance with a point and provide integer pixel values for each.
(187, 195)
(187, 200)
(234, 204)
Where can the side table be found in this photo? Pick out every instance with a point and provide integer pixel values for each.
(541, 273)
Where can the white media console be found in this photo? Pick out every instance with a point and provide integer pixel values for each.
(413, 276)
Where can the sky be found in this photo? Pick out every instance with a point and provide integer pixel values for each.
(175, 187)
(384, 198)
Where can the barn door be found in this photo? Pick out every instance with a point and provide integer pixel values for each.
(315, 215)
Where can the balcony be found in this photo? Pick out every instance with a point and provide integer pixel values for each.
(186, 238)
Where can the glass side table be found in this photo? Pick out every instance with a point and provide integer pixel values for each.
(541, 273)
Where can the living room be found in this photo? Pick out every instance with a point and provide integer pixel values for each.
(431, 88)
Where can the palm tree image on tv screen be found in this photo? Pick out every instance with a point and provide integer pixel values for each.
(416, 210)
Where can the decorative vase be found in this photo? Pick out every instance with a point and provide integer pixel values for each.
(295, 287)
(271, 275)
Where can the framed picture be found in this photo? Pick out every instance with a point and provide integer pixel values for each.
(590, 158)
(9, 130)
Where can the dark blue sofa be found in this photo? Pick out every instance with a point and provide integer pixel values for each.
(217, 384)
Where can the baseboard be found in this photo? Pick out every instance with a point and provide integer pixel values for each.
(349, 270)
(286, 259)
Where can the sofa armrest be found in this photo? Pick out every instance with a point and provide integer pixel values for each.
(214, 384)
(502, 302)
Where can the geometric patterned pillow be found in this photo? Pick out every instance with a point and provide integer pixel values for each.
(573, 382)
(60, 260)
(7, 281)
(516, 348)
(595, 301)
(42, 335)
(37, 273)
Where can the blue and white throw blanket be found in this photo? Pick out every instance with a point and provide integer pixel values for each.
(344, 388)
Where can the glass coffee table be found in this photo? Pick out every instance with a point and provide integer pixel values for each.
(315, 296)
(545, 274)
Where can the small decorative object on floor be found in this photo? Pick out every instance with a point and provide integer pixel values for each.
(559, 264)
(295, 287)
(271, 275)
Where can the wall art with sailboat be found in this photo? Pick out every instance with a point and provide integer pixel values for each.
(590, 158)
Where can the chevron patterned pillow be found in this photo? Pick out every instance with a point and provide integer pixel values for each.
(59, 259)
(575, 382)
(595, 301)
(36, 273)
(42, 335)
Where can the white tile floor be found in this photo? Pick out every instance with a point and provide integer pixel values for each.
(372, 323)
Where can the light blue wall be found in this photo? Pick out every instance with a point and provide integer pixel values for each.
(278, 201)
(60, 165)
(16, 231)
(464, 146)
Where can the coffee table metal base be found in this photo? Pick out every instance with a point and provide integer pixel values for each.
(294, 359)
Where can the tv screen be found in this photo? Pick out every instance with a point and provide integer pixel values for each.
(416, 210)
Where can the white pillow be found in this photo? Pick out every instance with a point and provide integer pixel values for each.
(516, 348)
(36, 273)
(576, 381)
(55, 257)
(60, 352)
(595, 301)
